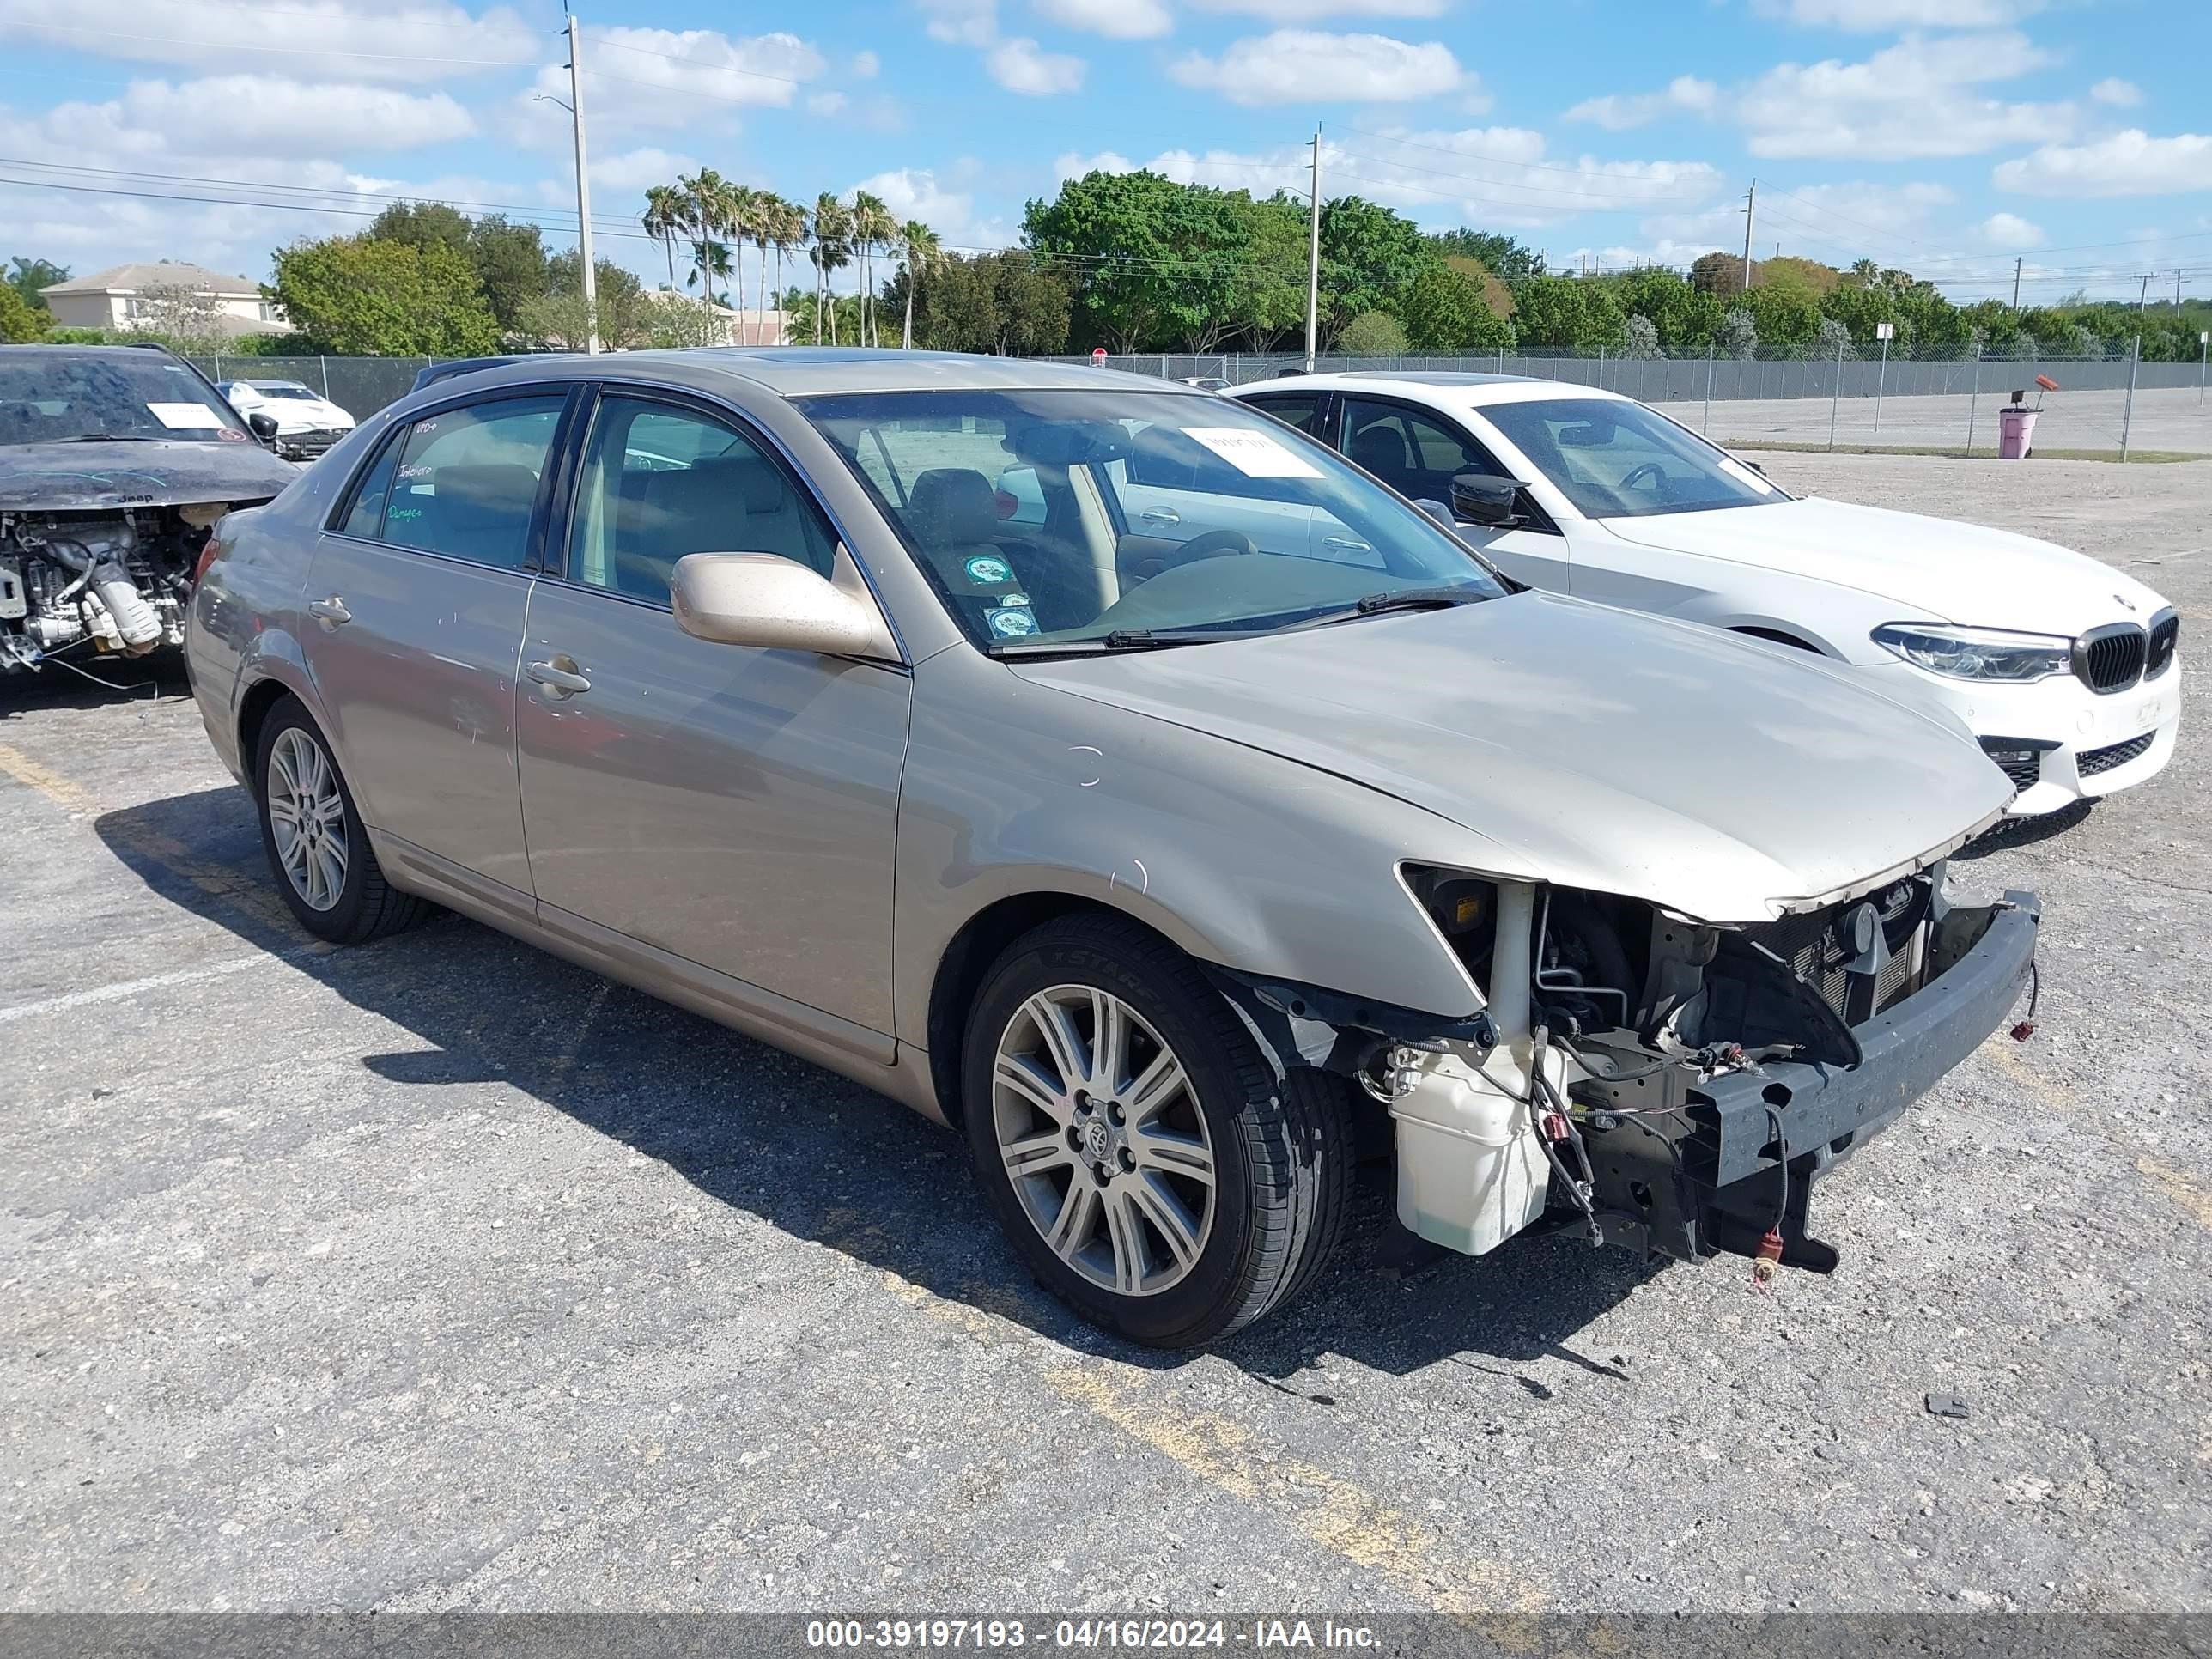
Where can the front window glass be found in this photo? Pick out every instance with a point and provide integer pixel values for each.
(62, 397)
(661, 483)
(468, 480)
(1616, 459)
(281, 390)
(1412, 453)
(1071, 516)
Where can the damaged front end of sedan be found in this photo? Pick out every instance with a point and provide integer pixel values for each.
(1663, 1083)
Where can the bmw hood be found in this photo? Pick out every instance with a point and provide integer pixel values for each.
(1717, 776)
(1930, 569)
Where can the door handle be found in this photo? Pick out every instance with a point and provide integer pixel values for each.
(1160, 515)
(331, 613)
(1345, 545)
(559, 677)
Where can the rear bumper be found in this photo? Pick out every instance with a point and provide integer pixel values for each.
(1719, 1188)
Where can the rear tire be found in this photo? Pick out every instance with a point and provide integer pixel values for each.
(318, 848)
(1168, 1188)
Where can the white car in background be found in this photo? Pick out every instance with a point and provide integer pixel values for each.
(307, 423)
(2064, 668)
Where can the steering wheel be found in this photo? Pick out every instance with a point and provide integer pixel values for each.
(1215, 544)
(1658, 475)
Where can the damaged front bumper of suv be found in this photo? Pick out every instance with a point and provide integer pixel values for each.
(1672, 1087)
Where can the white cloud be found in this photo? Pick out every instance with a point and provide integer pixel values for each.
(2009, 231)
(412, 41)
(1917, 98)
(2130, 163)
(1615, 113)
(1020, 65)
(826, 103)
(866, 65)
(1118, 20)
(642, 79)
(633, 169)
(2121, 95)
(1295, 66)
(918, 193)
(268, 111)
(1879, 16)
(961, 22)
(1312, 11)
(1836, 222)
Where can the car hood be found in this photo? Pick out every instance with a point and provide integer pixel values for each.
(1932, 569)
(67, 477)
(300, 414)
(1720, 777)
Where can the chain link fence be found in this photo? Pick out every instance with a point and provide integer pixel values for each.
(2107, 404)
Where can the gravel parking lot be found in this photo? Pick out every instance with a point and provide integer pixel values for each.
(439, 1274)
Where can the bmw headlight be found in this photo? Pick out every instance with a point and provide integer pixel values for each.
(1977, 653)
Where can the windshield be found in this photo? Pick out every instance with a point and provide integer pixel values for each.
(1616, 459)
(52, 398)
(279, 389)
(1089, 517)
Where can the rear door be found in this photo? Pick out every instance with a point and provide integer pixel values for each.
(1417, 451)
(418, 592)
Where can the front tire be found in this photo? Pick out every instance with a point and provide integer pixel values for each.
(318, 848)
(1138, 1150)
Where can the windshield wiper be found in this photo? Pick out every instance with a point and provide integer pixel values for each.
(108, 438)
(1121, 639)
(1397, 598)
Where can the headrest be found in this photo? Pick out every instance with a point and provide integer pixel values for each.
(952, 505)
(1380, 448)
(749, 478)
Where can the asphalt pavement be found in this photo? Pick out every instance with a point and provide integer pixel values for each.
(439, 1274)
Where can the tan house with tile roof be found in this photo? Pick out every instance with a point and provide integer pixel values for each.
(112, 299)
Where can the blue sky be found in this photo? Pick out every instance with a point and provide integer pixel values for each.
(1945, 135)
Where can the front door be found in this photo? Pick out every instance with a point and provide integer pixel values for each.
(1418, 453)
(416, 604)
(734, 807)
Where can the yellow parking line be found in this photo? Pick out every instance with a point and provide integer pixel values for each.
(1341, 1516)
(242, 893)
(2183, 1189)
(2185, 1192)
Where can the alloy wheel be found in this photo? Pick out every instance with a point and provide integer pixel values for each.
(307, 818)
(1103, 1138)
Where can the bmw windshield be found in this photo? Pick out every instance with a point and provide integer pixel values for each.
(1616, 459)
(1111, 519)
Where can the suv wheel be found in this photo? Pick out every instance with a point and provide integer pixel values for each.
(313, 836)
(1138, 1151)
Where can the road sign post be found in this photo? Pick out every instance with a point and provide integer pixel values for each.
(1883, 332)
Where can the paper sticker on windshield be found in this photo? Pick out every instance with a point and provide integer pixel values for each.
(1011, 622)
(985, 571)
(1255, 454)
(185, 417)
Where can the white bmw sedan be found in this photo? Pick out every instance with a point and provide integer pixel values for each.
(2064, 667)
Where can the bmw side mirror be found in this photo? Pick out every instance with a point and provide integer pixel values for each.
(1494, 503)
(264, 426)
(776, 603)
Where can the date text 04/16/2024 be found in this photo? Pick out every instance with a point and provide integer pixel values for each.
(1166, 1634)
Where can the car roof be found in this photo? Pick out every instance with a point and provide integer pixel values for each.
(809, 371)
(1444, 388)
(298, 386)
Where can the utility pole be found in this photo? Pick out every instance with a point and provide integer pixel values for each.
(2143, 299)
(2177, 290)
(1313, 260)
(583, 190)
(2016, 264)
(1750, 202)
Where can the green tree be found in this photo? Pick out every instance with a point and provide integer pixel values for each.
(1639, 336)
(1739, 334)
(1570, 313)
(1717, 273)
(1498, 255)
(18, 321)
(1370, 256)
(1445, 312)
(1150, 262)
(559, 318)
(1684, 317)
(367, 297)
(1372, 334)
(508, 258)
(29, 276)
(1009, 303)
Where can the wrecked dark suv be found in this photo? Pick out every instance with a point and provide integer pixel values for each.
(1109, 771)
(115, 462)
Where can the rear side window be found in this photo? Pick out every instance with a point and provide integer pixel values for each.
(467, 479)
(365, 517)
(1299, 411)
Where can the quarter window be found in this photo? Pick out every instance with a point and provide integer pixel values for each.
(365, 517)
(467, 480)
(1298, 411)
(661, 482)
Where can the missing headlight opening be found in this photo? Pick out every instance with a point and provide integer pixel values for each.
(1656, 1082)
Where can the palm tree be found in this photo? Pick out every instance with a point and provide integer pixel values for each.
(763, 214)
(922, 253)
(873, 227)
(663, 220)
(787, 230)
(832, 251)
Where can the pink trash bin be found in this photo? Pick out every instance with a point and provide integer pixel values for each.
(2015, 433)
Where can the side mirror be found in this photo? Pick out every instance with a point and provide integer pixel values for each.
(1478, 498)
(264, 426)
(774, 603)
(1437, 511)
